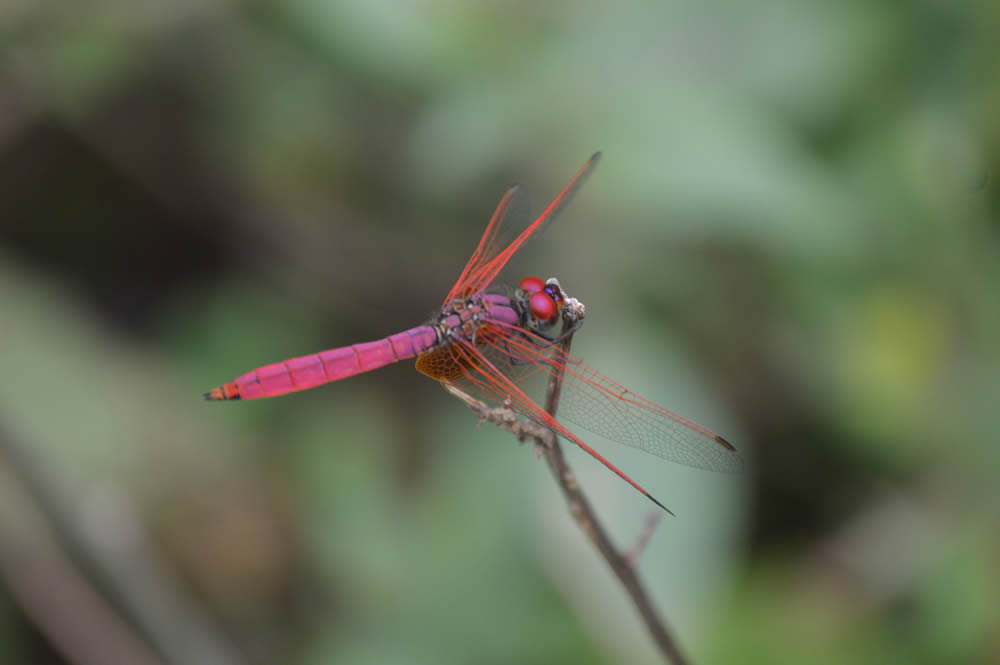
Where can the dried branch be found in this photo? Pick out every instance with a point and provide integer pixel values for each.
(622, 564)
(648, 528)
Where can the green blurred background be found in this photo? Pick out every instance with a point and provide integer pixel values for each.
(792, 238)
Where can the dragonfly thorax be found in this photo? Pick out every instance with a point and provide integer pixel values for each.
(464, 318)
(535, 306)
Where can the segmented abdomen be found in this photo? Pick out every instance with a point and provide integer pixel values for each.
(319, 368)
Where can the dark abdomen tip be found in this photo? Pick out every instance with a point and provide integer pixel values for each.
(226, 392)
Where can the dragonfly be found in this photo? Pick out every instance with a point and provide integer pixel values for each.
(493, 343)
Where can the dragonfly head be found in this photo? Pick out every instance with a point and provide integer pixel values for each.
(542, 301)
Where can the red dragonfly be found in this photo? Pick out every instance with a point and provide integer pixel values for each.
(492, 343)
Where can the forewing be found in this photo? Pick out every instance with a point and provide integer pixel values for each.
(488, 247)
(491, 255)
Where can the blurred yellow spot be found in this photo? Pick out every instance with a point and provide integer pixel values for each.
(892, 354)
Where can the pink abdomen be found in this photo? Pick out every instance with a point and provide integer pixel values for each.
(319, 368)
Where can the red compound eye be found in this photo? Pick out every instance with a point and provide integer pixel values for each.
(531, 284)
(543, 307)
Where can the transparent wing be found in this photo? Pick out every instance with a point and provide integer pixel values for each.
(491, 255)
(589, 399)
(485, 371)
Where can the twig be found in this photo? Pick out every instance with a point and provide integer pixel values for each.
(505, 418)
(648, 528)
(579, 506)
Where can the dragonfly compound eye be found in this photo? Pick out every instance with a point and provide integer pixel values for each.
(531, 285)
(543, 307)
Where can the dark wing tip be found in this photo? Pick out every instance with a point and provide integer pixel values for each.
(219, 393)
(734, 462)
(725, 443)
(596, 156)
(669, 512)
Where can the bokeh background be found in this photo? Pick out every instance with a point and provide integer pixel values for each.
(792, 238)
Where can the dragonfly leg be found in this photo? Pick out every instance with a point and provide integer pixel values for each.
(549, 341)
(512, 357)
(556, 339)
(566, 333)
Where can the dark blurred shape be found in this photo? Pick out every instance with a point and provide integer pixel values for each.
(126, 236)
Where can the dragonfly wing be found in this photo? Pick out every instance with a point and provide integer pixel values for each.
(488, 247)
(481, 372)
(491, 255)
(605, 407)
(488, 371)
